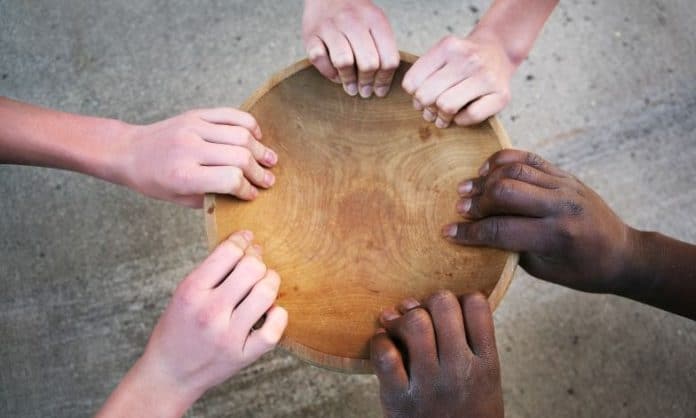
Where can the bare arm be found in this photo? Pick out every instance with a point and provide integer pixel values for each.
(516, 24)
(661, 273)
(32, 135)
(466, 80)
(178, 159)
(206, 335)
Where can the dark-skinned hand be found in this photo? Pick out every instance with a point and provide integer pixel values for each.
(564, 231)
(438, 359)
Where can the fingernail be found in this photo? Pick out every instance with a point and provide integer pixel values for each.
(484, 169)
(410, 303)
(450, 230)
(257, 132)
(428, 115)
(381, 91)
(388, 314)
(270, 157)
(269, 178)
(366, 91)
(351, 88)
(466, 187)
(417, 105)
(380, 331)
(258, 248)
(253, 193)
(463, 206)
(248, 235)
(441, 123)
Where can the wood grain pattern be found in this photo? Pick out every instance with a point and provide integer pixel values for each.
(353, 222)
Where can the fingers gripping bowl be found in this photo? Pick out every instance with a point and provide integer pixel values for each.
(353, 222)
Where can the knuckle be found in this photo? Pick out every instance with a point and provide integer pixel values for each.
(182, 177)
(246, 138)
(477, 302)
(385, 359)
(489, 230)
(254, 265)
(447, 106)
(476, 62)
(534, 160)
(236, 183)
(343, 60)
(245, 158)
(316, 53)
(417, 320)
(515, 171)
(441, 298)
(391, 62)
(501, 190)
(192, 115)
(230, 250)
(270, 338)
(505, 96)
(451, 43)
(266, 291)
(185, 295)
(370, 64)
(567, 231)
(420, 95)
(477, 115)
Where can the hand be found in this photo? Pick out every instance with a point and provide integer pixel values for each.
(461, 80)
(564, 231)
(201, 151)
(206, 333)
(439, 359)
(340, 35)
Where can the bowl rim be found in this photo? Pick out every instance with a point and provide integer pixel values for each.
(301, 351)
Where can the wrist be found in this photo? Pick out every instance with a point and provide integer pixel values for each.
(635, 264)
(161, 387)
(108, 161)
(488, 33)
(146, 392)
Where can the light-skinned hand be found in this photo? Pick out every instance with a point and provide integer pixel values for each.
(461, 80)
(207, 333)
(201, 151)
(351, 43)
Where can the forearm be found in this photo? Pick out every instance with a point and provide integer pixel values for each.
(516, 24)
(661, 273)
(31, 135)
(143, 393)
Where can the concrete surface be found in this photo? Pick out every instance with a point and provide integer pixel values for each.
(609, 93)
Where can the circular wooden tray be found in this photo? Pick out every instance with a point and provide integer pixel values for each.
(353, 222)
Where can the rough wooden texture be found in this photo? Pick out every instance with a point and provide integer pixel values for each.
(353, 223)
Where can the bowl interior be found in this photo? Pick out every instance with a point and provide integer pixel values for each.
(353, 222)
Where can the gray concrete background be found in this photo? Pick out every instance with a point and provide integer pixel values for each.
(609, 93)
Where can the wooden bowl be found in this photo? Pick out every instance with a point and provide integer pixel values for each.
(353, 222)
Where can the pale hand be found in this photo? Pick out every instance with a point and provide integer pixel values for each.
(351, 43)
(207, 333)
(201, 151)
(461, 80)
